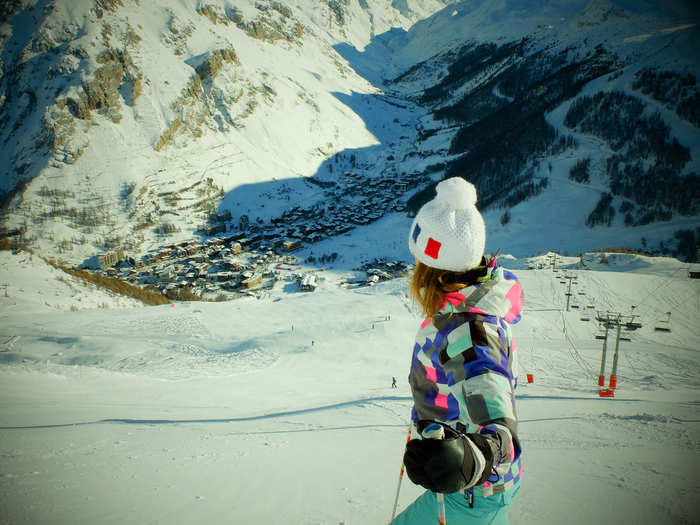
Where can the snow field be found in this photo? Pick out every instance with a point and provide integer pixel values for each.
(29, 285)
(228, 413)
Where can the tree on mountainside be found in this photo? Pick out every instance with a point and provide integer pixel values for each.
(603, 213)
(502, 142)
(688, 244)
(676, 91)
(579, 172)
(647, 163)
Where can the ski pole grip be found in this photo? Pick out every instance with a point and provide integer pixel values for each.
(433, 431)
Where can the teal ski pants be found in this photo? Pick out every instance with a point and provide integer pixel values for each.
(486, 511)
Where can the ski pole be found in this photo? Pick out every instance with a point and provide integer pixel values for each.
(403, 468)
(440, 498)
(435, 431)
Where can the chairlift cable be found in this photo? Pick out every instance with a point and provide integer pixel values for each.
(575, 355)
(679, 304)
(664, 283)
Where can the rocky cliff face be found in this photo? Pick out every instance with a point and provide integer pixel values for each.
(107, 95)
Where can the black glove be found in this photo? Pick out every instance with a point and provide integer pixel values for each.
(489, 449)
(446, 465)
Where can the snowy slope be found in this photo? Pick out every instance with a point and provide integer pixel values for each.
(185, 413)
(139, 124)
(579, 24)
(30, 285)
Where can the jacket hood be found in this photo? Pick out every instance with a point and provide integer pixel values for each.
(499, 293)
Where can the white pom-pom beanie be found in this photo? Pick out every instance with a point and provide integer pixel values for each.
(448, 232)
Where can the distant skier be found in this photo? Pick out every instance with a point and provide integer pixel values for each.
(462, 373)
(393, 382)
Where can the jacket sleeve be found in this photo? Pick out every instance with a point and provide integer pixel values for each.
(487, 388)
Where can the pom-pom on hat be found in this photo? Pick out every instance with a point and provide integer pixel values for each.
(448, 232)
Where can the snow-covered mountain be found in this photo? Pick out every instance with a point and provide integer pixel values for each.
(594, 104)
(121, 119)
(128, 124)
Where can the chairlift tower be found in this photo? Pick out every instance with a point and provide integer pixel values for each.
(603, 319)
(618, 321)
(568, 294)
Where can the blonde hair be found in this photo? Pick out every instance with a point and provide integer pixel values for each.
(429, 286)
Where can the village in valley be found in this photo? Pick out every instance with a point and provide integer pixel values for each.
(224, 264)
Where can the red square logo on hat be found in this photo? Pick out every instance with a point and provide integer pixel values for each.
(433, 248)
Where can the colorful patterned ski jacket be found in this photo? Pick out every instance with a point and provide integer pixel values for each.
(464, 369)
